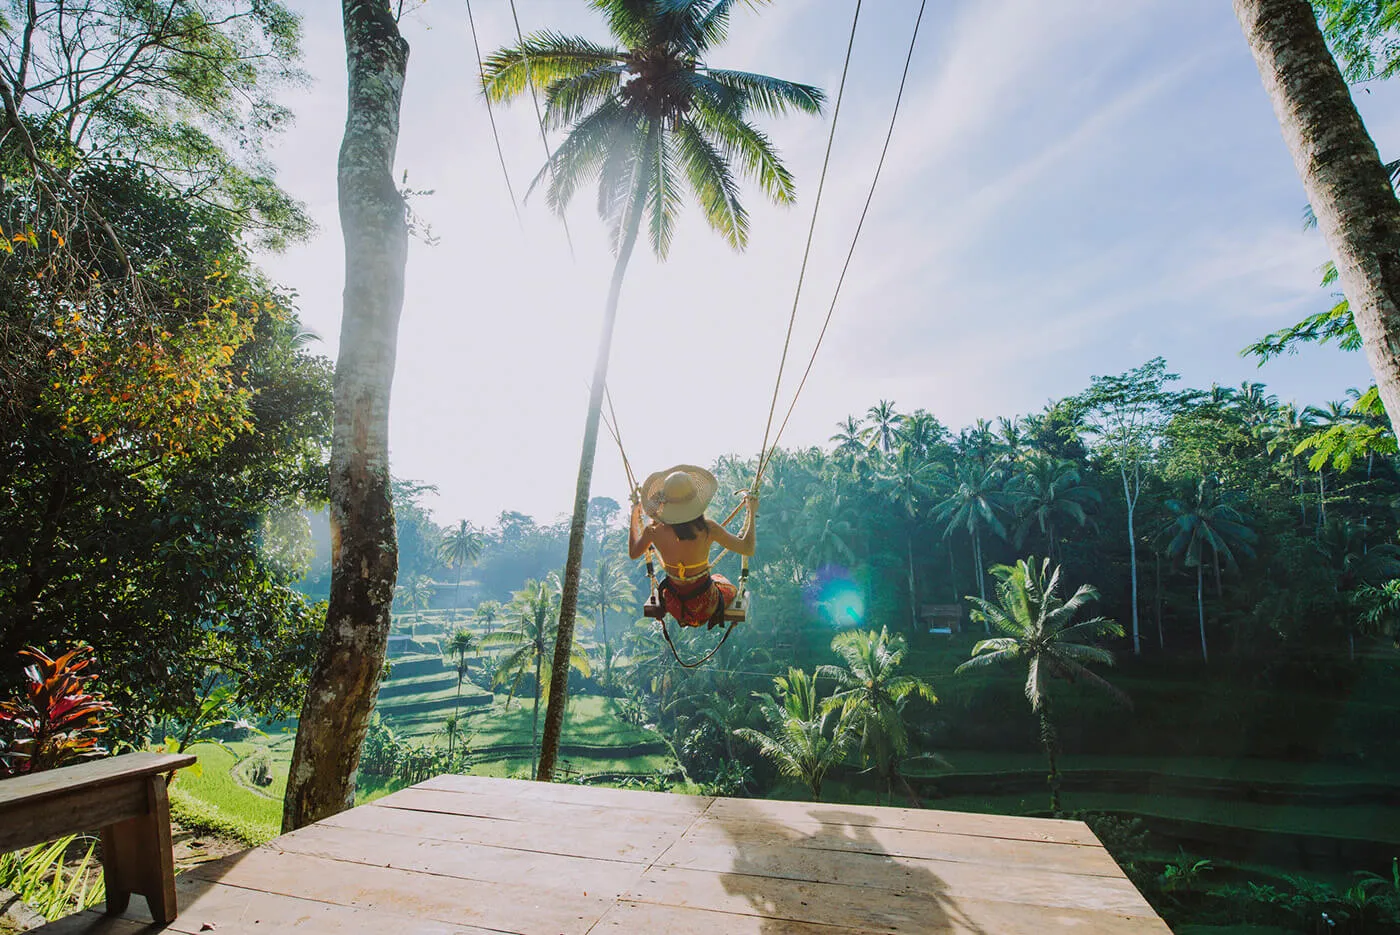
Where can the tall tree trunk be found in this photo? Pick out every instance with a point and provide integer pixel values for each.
(1201, 612)
(457, 593)
(913, 596)
(1131, 502)
(1050, 742)
(573, 563)
(1346, 183)
(1157, 600)
(535, 731)
(364, 546)
(607, 649)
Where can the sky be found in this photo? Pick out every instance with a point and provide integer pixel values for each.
(1072, 189)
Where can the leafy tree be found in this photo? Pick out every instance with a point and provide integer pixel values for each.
(645, 117)
(1049, 496)
(488, 612)
(907, 482)
(525, 643)
(186, 90)
(850, 438)
(1041, 633)
(458, 645)
(883, 426)
(459, 548)
(1126, 415)
(975, 504)
(150, 448)
(606, 588)
(872, 697)
(1211, 520)
(800, 740)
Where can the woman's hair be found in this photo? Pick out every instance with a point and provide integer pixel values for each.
(690, 528)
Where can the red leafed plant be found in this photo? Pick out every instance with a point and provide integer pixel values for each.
(56, 719)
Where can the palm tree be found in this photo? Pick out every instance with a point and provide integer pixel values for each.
(1049, 495)
(461, 642)
(849, 438)
(1348, 187)
(798, 742)
(418, 593)
(1210, 519)
(451, 727)
(906, 483)
(606, 588)
(645, 116)
(459, 548)
(884, 426)
(921, 431)
(872, 697)
(525, 644)
(488, 612)
(974, 505)
(1041, 632)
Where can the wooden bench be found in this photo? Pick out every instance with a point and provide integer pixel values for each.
(125, 797)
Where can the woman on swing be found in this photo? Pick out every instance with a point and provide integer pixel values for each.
(676, 500)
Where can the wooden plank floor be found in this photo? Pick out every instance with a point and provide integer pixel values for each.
(463, 854)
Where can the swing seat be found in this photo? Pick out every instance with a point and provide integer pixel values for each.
(653, 609)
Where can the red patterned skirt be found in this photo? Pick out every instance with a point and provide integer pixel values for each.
(698, 602)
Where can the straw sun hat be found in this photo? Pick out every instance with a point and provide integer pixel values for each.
(678, 494)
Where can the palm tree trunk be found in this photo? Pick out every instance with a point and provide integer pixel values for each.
(457, 593)
(1201, 612)
(607, 650)
(1050, 742)
(364, 548)
(1341, 170)
(1132, 559)
(1157, 595)
(977, 566)
(535, 730)
(573, 563)
(913, 597)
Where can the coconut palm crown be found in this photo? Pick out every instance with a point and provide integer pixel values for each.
(1041, 632)
(648, 115)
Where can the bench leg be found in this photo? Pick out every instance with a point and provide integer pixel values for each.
(136, 857)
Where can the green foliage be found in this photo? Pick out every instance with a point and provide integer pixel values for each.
(40, 877)
(1363, 35)
(803, 741)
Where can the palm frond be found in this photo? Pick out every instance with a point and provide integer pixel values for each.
(768, 95)
(568, 100)
(579, 158)
(541, 59)
(664, 195)
(713, 184)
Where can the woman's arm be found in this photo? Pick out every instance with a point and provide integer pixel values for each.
(742, 544)
(637, 538)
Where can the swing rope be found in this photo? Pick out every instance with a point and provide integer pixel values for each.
(806, 253)
(491, 116)
(539, 119)
(845, 267)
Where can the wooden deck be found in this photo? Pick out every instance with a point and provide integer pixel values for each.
(461, 854)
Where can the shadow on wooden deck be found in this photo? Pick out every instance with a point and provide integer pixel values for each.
(470, 856)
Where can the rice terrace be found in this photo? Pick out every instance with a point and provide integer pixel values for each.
(976, 508)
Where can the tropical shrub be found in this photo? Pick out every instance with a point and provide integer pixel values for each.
(56, 719)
